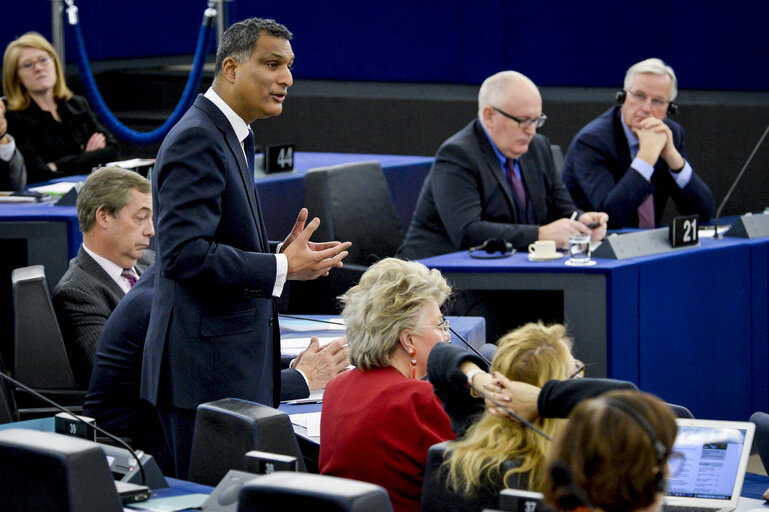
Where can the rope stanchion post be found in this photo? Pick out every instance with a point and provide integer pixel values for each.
(96, 99)
(57, 29)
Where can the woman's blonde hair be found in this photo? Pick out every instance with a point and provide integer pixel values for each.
(388, 299)
(16, 95)
(534, 353)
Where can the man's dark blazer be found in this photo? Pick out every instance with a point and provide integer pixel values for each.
(113, 395)
(83, 299)
(467, 199)
(13, 173)
(598, 175)
(213, 331)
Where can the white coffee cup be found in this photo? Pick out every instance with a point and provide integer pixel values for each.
(543, 249)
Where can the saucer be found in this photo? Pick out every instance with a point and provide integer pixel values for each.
(554, 256)
(587, 264)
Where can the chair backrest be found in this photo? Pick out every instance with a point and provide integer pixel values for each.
(40, 358)
(434, 485)
(354, 203)
(555, 151)
(761, 439)
(283, 490)
(438, 497)
(225, 430)
(47, 471)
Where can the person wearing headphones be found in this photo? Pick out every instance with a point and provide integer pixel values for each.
(614, 455)
(631, 159)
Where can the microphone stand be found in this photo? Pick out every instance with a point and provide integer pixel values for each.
(78, 418)
(736, 180)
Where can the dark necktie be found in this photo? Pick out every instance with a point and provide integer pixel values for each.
(248, 147)
(646, 213)
(129, 274)
(515, 181)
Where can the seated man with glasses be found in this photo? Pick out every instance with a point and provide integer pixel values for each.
(496, 179)
(631, 159)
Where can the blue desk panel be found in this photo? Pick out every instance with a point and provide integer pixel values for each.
(689, 325)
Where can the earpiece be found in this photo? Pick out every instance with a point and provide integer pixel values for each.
(493, 248)
(657, 445)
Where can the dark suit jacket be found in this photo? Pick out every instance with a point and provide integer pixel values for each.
(598, 175)
(213, 332)
(466, 198)
(13, 173)
(83, 299)
(42, 139)
(113, 395)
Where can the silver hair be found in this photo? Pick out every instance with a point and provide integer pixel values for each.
(656, 67)
(494, 88)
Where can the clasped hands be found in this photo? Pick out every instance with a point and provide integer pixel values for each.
(655, 140)
(519, 397)
(310, 260)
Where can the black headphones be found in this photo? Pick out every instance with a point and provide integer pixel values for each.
(657, 445)
(622, 95)
(493, 248)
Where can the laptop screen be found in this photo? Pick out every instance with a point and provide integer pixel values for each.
(711, 461)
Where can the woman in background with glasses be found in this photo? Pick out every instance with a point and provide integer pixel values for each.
(380, 418)
(612, 455)
(56, 131)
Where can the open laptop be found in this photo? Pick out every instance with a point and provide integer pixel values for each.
(715, 458)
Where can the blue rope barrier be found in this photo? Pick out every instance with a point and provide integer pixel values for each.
(188, 96)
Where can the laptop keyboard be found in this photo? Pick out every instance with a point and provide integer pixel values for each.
(682, 508)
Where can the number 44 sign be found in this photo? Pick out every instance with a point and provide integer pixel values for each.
(684, 231)
(279, 158)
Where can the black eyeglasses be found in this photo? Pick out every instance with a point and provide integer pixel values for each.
(580, 371)
(524, 123)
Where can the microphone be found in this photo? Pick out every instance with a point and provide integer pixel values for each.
(457, 377)
(78, 418)
(736, 180)
(455, 333)
(283, 315)
(468, 345)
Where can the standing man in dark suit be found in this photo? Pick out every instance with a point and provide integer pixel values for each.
(114, 211)
(496, 179)
(213, 331)
(113, 394)
(631, 159)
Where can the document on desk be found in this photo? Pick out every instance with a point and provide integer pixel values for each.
(308, 420)
(184, 502)
(311, 325)
(294, 345)
(55, 189)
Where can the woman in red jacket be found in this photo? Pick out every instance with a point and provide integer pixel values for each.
(380, 418)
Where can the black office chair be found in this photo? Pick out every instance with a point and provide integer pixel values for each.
(557, 154)
(47, 471)
(225, 430)
(354, 204)
(282, 490)
(761, 439)
(679, 411)
(40, 358)
(435, 492)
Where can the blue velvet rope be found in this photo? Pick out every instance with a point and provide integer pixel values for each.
(112, 122)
